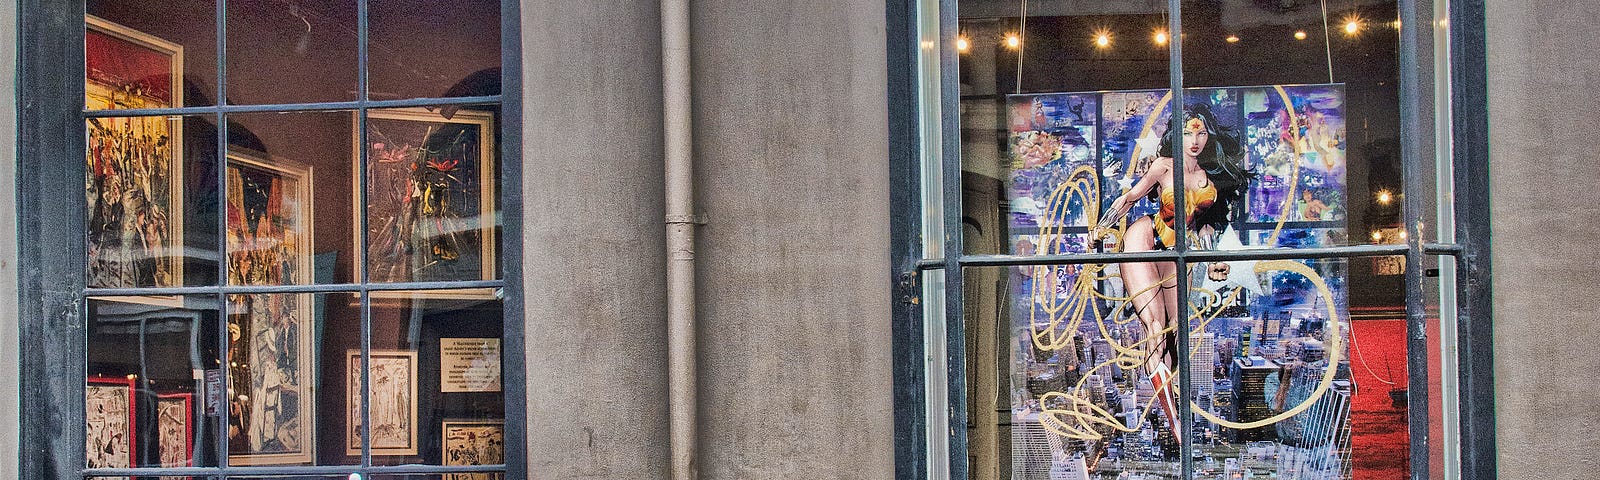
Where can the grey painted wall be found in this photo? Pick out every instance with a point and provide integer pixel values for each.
(791, 153)
(594, 269)
(1544, 75)
(9, 409)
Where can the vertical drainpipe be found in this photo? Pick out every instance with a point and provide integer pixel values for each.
(680, 221)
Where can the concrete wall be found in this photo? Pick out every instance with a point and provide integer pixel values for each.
(594, 269)
(791, 152)
(8, 244)
(1544, 75)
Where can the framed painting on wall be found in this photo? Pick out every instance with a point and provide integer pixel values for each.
(473, 442)
(109, 422)
(175, 430)
(430, 198)
(134, 181)
(269, 218)
(393, 394)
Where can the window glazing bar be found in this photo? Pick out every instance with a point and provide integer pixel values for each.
(1180, 351)
(296, 107)
(954, 247)
(1351, 251)
(311, 288)
(292, 470)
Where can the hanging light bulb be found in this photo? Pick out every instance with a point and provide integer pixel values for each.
(1232, 39)
(1160, 37)
(1299, 34)
(1102, 38)
(962, 44)
(1013, 41)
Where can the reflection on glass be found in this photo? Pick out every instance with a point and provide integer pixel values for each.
(149, 361)
(310, 46)
(149, 182)
(435, 379)
(290, 198)
(1271, 368)
(426, 49)
(149, 54)
(432, 211)
(278, 376)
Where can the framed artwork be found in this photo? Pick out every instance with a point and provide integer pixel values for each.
(430, 185)
(175, 430)
(109, 419)
(393, 408)
(473, 442)
(134, 181)
(272, 401)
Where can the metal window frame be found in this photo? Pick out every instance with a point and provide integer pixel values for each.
(1470, 252)
(52, 289)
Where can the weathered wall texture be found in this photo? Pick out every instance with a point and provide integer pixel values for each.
(8, 245)
(791, 151)
(1544, 75)
(594, 269)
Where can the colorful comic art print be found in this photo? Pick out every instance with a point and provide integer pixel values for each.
(109, 423)
(175, 431)
(430, 184)
(1268, 341)
(269, 218)
(271, 397)
(134, 184)
(393, 396)
(470, 442)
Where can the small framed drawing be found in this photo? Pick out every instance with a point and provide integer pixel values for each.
(109, 419)
(393, 394)
(134, 181)
(430, 198)
(271, 413)
(175, 430)
(473, 442)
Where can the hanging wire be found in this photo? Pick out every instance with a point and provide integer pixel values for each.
(1363, 358)
(1022, 33)
(1327, 42)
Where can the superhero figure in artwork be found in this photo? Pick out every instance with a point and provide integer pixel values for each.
(1214, 182)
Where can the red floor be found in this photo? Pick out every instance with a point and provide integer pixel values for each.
(1379, 441)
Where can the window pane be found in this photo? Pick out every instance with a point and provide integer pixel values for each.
(1077, 382)
(151, 189)
(1314, 111)
(1060, 115)
(432, 194)
(436, 382)
(286, 377)
(150, 54)
(431, 48)
(291, 52)
(149, 359)
(289, 198)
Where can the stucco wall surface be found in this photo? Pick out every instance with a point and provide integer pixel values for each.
(1544, 75)
(791, 149)
(594, 269)
(9, 407)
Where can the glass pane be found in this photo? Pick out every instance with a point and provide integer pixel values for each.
(435, 376)
(443, 476)
(285, 377)
(291, 52)
(1314, 112)
(1061, 115)
(431, 48)
(151, 189)
(281, 230)
(432, 194)
(150, 54)
(1078, 371)
(151, 366)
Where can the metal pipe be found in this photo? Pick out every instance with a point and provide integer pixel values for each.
(678, 162)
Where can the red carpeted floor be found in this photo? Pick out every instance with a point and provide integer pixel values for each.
(1378, 437)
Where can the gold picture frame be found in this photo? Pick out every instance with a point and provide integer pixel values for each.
(394, 402)
(430, 184)
(472, 442)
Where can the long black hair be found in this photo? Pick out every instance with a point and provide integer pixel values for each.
(1222, 159)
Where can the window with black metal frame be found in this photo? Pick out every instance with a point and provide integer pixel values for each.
(930, 345)
(59, 302)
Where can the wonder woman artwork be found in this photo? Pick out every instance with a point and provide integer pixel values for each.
(1094, 363)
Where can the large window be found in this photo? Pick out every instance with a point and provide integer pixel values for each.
(1182, 240)
(281, 251)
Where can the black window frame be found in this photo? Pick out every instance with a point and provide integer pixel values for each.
(1470, 252)
(52, 289)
